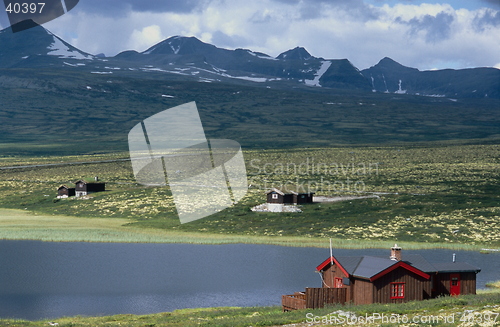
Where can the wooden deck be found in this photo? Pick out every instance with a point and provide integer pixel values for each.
(313, 298)
(295, 301)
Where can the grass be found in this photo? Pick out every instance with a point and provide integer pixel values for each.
(466, 311)
(493, 284)
(444, 196)
(25, 225)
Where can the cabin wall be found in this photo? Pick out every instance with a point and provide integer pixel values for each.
(415, 286)
(288, 199)
(82, 189)
(63, 192)
(271, 200)
(442, 283)
(329, 276)
(81, 186)
(362, 291)
(96, 187)
(468, 283)
(303, 198)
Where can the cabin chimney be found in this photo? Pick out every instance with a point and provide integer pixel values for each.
(454, 257)
(396, 253)
(96, 178)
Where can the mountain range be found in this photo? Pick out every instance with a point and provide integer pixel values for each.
(187, 58)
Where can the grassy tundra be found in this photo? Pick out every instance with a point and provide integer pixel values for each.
(444, 196)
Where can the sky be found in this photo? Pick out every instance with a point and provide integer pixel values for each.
(421, 34)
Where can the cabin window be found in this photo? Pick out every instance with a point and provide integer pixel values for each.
(338, 282)
(274, 196)
(397, 290)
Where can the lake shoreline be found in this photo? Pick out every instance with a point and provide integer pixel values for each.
(24, 225)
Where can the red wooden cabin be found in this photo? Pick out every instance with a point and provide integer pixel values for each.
(395, 279)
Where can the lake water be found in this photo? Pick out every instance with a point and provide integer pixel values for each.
(49, 280)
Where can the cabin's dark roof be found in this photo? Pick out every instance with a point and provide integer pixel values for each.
(417, 261)
(288, 192)
(349, 263)
(370, 266)
(88, 183)
(275, 190)
(450, 267)
(367, 266)
(363, 266)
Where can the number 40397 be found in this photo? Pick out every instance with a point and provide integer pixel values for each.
(25, 8)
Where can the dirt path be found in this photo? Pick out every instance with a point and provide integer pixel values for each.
(342, 198)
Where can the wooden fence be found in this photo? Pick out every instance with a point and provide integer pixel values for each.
(313, 298)
(296, 301)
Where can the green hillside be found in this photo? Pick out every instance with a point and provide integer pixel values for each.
(67, 112)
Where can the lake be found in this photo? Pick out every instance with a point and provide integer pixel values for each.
(50, 280)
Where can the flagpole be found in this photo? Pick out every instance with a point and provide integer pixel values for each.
(331, 262)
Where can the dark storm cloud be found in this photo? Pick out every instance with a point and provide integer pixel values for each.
(488, 18)
(119, 7)
(436, 28)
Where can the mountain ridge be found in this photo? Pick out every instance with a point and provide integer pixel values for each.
(38, 41)
(188, 58)
(388, 76)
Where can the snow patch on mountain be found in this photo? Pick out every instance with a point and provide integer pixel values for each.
(217, 69)
(174, 49)
(155, 69)
(73, 65)
(261, 57)
(322, 70)
(400, 91)
(385, 83)
(252, 79)
(435, 95)
(59, 49)
(206, 80)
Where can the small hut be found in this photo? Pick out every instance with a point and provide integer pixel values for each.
(85, 188)
(275, 195)
(65, 192)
